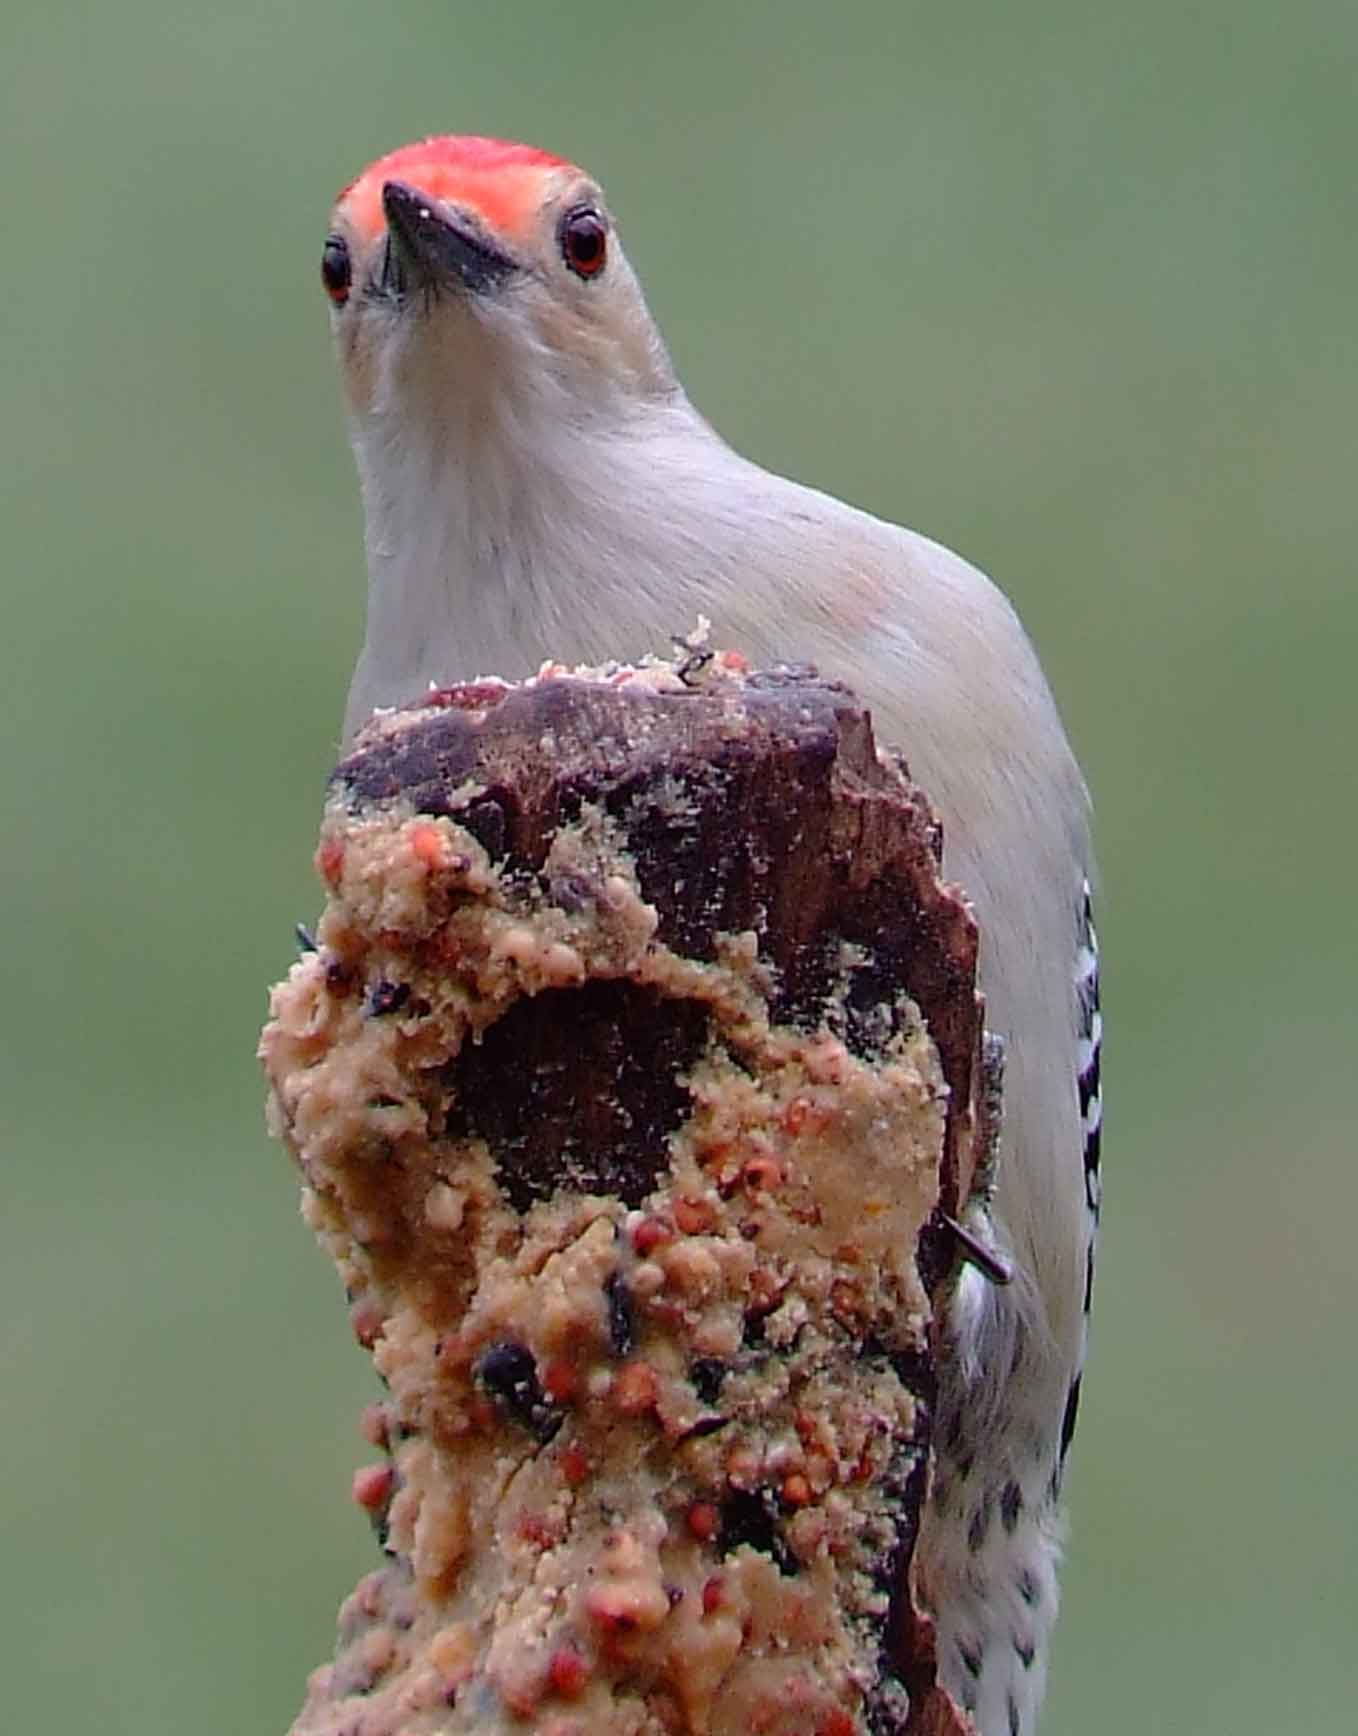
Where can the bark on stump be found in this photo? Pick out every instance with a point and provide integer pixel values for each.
(638, 1059)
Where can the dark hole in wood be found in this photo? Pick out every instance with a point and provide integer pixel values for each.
(579, 1088)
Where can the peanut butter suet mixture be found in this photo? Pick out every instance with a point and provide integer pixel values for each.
(644, 1453)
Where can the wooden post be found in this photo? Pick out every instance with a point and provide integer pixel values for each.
(636, 1064)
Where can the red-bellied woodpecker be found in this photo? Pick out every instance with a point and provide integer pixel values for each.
(538, 486)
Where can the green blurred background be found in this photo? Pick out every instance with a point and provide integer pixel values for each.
(1069, 286)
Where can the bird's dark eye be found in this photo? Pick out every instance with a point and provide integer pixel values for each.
(336, 270)
(584, 242)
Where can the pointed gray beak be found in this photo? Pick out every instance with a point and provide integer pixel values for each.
(427, 249)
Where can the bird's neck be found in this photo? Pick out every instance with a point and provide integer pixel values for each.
(504, 536)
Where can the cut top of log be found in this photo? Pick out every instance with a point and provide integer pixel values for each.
(753, 803)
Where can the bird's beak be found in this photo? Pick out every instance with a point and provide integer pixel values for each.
(429, 249)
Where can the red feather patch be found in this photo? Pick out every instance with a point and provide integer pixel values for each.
(500, 180)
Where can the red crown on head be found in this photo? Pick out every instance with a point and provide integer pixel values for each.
(495, 177)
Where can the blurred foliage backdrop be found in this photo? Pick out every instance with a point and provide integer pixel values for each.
(1069, 286)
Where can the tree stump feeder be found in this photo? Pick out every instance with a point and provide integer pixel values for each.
(635, 1068)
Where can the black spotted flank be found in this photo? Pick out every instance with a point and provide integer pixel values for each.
(1091, 1044)
(1068, 1420)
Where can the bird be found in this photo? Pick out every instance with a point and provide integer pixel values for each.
(537, 486)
